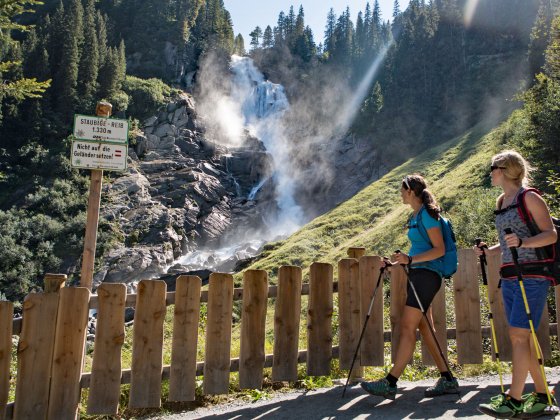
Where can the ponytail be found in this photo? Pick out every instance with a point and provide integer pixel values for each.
(430, 204)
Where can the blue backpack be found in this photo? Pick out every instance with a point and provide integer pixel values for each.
(449, 259)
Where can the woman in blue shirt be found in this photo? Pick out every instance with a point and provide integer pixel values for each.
(424, 260)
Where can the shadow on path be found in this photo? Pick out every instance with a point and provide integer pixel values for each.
(328, 404)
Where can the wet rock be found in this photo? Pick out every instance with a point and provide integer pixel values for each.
(181, 190)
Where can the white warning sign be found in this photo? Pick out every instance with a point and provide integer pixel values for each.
(90, 155)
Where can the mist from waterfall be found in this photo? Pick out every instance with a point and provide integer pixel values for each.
(262, 105)
(248, 102)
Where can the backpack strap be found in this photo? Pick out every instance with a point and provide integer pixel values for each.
(524, 212)
(528, 219)
(423, 232)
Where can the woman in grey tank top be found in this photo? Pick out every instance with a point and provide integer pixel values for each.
(510, 171)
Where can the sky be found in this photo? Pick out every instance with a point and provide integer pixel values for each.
(247, 14)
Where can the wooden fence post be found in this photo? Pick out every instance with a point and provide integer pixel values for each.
(35, 351)
(54, 282)
(356, 253)
(218, 334)
(398, 301)
(68, 355)
(182, 380)
(286, 324)
(105, 385)
(467, 309)
(319, 320)
(147, 345)
(373, 343)
(253, 322)
(348, 312)
(6, 319)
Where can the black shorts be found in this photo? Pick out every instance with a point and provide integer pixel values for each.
(427, 283)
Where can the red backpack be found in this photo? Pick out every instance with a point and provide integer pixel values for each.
(548, 262)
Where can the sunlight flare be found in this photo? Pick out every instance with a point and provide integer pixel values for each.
(470, 9)
(352, 107)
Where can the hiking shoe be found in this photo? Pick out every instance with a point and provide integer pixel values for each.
(381, 388)
(534, 406)
(442, 387)
(501, 407)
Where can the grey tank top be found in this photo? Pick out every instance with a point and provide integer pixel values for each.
(508, 217)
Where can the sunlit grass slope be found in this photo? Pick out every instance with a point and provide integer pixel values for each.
(457, 173)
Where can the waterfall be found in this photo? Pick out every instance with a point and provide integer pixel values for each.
(237, 186)
(256, 189)
(257, 106)
(263, 104)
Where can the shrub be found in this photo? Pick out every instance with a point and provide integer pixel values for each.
(146, 96)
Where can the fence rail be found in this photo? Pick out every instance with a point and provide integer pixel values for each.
(53, 327)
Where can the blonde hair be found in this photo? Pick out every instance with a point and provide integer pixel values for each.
(516, 167)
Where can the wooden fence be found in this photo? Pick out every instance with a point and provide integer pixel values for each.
(50, 353)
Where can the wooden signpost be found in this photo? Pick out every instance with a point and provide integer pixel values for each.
(102, 143)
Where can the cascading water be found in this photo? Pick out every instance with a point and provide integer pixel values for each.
(260, 105)
(263, 104)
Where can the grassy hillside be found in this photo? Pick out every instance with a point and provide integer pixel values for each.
(457, 173)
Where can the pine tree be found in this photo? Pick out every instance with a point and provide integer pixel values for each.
(290, 24)
(376, 14)
(89, 61)
(101, 24)
(268, 38)
(540, 36)
(552, 54)
(256, 35)
(360, 41)
(239, 47)
(329, 32)
(300, 23)
(65, 80)
(280, 29)
(368, 26)
(396, 9)
(110, 75)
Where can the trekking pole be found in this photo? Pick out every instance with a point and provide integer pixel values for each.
(528, 311)
(483, 263)
(363, 329)
(430, 327)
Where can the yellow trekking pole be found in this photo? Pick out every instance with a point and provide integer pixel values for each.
(514, 254)
(483, 263)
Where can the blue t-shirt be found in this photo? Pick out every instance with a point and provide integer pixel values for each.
(420, 240)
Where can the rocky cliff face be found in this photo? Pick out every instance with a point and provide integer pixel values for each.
(181, 192)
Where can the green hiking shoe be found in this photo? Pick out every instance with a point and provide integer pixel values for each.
(535, 405)
(442, 387)
(381, 388)
(501, 407)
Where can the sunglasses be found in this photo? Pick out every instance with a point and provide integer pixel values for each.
(494, 167)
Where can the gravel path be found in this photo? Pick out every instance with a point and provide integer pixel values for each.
(327, 403)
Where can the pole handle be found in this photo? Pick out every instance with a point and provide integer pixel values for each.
(513, 249)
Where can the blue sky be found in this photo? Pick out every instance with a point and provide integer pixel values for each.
(246, 14)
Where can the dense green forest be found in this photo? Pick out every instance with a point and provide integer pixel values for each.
(440, 75)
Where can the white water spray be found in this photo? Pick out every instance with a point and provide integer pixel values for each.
(262, 105)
